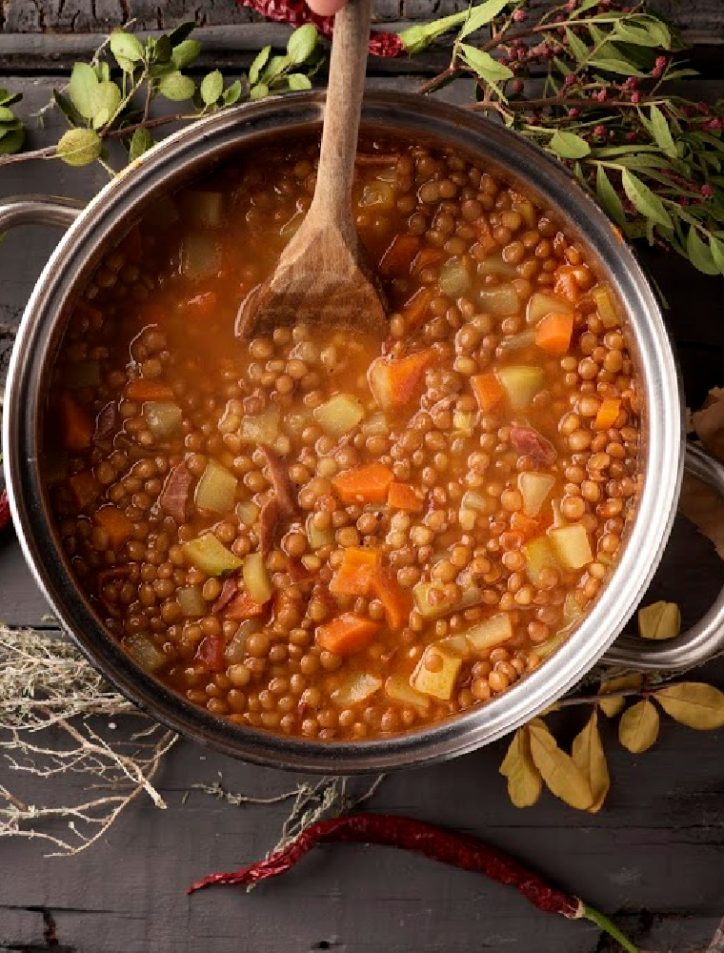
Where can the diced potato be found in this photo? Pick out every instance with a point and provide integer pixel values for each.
(202, 208)
(572, 546)
(375, 425)
(455, 277)
(260, 428)
(248, 512)
(521, 382)
(216, 489)
(606, 306)
(494, 631)
(210, 556)
(398, 688)
(256, 578)
(518, 342)
(571, 609)
(357, 688)
(471, 505)
(339, 414)
(430, 600)
(534, 488)
(163, 418)
(494, 265)
(318, 537)
(539, 555)
(191, 601)
(501, 301)
(464, 421)
(378, 195)
(541, 304)
(200, 255)
(527, 210)
(144, 652)
(436, 672)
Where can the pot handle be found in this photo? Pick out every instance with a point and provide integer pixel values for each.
(704, 640)
(39, 210)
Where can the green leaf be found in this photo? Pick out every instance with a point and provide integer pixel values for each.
(275, 67)
(103, 71)
(164, 49)
(67, 108)
(608, 197)
(568, 145)
(141, 141)
(179, 34)
(7, 99)
(637, 35)
(483, 64)
(184, 53)
(611, 65)
(700, 254)
(106, 100)
(298, 81)
(7, 128)
(79, 147)
(12, 142)
(7, 115)
(258, 64)
(212, 86)
(578, 47)
(662, 134)
(81, 89)
(176, 87)
(644, 200)
(232, 94)
(126, 45)
(260, 91)
(482, 14)
(302, 43)
(716, 246)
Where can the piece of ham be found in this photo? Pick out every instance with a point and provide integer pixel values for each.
(282, 506)
(529, 441)
(228, 591)
(174, 498)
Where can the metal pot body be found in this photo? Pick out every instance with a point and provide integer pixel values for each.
(187, 155)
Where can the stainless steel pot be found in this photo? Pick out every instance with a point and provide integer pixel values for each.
(188, 154)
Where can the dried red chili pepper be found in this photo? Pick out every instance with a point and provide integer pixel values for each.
(296, 13)
(4, 509)
(437, 843)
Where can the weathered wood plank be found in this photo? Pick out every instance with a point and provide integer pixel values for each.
(82, 16)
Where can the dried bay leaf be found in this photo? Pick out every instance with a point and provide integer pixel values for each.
(612, 706)
(524, 780)
(589, 757)
(561, 775)
(660, 620)
(639, 726)
(702, 504)
(695, 704)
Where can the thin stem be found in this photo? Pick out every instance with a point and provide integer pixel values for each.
(430, 85)
(602, 921)
(605, 696)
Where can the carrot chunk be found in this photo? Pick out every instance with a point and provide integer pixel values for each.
(363, 484)
(525, 525)
(398, 257)
(488, 391)
(404, 496)
(84, 487)
(553, 333)
(427, 257)
(347, 634)
(396, 601)
(145, 388)
(413, 311)
(354, 576)
(566, 286)
(243, 607)
(75, 423)
(395, 383)
(116, 524)
(607, 413)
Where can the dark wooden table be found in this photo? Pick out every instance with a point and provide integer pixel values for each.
(654, 857)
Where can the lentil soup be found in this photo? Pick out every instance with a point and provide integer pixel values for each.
(329, 535)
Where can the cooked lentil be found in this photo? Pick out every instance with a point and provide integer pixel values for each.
(327, 535)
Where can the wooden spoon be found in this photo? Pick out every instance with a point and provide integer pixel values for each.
(321, 278)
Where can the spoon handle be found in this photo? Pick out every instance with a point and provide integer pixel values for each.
(332, 196)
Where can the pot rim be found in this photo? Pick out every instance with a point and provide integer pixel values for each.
(407, 116)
